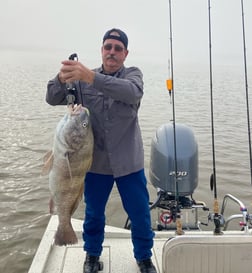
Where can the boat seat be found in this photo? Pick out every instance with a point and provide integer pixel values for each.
(208, 254)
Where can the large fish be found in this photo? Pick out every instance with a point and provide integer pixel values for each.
(67, 165)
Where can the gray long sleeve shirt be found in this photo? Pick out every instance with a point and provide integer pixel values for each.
(113, 102)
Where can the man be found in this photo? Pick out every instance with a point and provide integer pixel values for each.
(112, 93)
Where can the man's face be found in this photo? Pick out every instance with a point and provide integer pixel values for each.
(113, 55)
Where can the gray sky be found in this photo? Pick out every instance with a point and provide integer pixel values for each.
(78, 25)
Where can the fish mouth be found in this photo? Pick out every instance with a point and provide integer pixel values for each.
(77, 110)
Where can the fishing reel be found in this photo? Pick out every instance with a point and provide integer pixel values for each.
(218, 221)
(71, 88)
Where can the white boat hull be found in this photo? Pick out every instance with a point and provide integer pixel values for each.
(194, 252)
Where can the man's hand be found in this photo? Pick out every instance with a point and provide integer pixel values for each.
(73, 71)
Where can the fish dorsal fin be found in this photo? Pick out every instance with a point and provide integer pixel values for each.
(48, 162)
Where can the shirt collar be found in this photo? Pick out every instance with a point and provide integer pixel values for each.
(116, 74)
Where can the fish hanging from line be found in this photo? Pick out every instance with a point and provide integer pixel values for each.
(67, 165)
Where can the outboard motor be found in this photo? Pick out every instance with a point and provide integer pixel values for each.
(162, 175)
(162, 160)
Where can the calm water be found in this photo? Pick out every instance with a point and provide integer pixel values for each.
(28, 123)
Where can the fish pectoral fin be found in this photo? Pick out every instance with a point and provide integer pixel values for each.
(68, 166)
(48, 162)
(51, 206)
(77, 201)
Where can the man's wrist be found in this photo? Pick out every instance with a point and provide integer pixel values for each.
(89, 76)
(61, 80)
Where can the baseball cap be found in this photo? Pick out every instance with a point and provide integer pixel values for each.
(120, 36)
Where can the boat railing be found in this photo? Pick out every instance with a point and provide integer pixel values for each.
(243, 215)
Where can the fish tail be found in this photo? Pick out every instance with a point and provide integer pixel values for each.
(65, 236)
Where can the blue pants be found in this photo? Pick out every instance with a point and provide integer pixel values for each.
(135, 200)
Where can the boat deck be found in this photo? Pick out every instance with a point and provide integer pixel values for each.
(232, 250)
(117, 255)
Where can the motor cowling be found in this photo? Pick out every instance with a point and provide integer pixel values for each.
(162, 160)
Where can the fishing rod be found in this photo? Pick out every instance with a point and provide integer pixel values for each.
(217, 218)
(246, 86)
(213, 176)
(170, 87)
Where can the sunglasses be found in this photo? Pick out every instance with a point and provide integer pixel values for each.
(117, 48)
